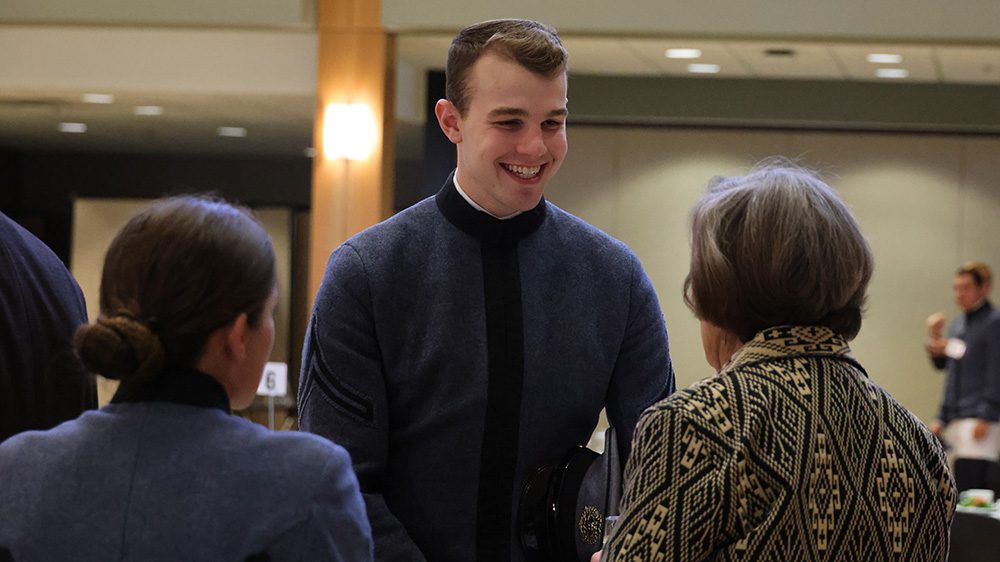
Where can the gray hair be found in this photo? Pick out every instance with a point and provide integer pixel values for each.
(776, 247)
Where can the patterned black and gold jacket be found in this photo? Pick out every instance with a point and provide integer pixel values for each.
(790, 453)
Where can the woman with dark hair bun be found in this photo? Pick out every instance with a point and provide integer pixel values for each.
(165, 472)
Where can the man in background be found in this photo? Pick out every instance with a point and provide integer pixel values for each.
(967, 418)
(42, 381)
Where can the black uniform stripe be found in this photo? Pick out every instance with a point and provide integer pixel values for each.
(505, 362)
(337, 392)
(505, 355)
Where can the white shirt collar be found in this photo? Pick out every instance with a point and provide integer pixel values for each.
(475, 205)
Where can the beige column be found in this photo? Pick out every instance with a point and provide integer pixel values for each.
(356, 66)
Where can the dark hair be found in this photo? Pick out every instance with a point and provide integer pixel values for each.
(979, 271)
(776, 247)
(531, 44)
(175, 273)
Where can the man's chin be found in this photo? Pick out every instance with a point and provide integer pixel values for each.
(529, 200)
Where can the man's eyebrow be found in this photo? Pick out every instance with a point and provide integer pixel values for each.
(518, 112)
(513, 111)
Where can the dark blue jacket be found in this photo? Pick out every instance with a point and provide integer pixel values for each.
(42, 383)
(972, 387)
(176, 477)
(453, 354)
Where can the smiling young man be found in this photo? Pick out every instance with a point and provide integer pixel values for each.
(462, 344)
(509, 126)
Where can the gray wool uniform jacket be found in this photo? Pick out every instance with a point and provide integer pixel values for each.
(453, 354)
(174, 476)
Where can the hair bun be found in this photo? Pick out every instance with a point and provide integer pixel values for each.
(119, 347)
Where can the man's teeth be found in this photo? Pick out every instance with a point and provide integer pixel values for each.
(523, 171)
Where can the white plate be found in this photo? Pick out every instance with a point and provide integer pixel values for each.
(980, 510)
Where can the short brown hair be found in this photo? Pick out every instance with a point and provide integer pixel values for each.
(776, 247)
(531, 44)
(979, 271)
(175, 273)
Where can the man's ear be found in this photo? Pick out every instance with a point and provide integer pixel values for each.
(236, 337)
(449, 119)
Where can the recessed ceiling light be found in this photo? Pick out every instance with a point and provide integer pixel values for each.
(72, 127)
(892, 73)
(235, 132)
(98, 98)
(885, 58)
(309, 152)
(147, 110)
(703, 68)
(682, 53)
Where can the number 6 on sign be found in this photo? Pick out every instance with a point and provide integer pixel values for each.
(275, 380)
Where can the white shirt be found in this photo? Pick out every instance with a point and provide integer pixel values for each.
(476, 206)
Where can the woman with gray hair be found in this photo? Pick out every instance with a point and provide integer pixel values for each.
(791, 452)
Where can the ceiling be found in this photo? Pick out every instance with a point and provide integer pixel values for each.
(280, 124)
(276, 124)
(753, 59)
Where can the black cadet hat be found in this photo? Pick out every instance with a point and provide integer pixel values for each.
(563, 507)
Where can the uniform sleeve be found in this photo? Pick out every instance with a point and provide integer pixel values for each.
(642, 373)
(672, 507)
(42, 380)
(948, 399)
(342, 393)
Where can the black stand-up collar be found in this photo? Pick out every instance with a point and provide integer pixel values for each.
(488, 229)
(187, 386)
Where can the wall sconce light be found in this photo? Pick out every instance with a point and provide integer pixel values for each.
(349, 131)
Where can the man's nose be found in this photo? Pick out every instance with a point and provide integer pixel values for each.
(532, 143)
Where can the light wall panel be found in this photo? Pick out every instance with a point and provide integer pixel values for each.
(979, 226)
(905, 193)
(926, 203)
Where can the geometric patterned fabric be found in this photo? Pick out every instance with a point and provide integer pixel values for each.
(791, 453)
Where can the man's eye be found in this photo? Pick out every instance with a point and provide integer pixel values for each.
(553, 124)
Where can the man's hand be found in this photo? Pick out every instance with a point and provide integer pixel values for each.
(596, 557)
(935, 347)
(935, 325)
(936, 341)
(979, 430)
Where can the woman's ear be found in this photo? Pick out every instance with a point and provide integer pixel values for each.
(236, 337)
(225, 351)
